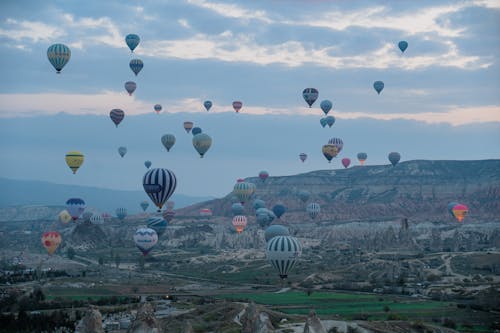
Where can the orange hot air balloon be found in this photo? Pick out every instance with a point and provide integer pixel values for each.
(239, 223)
(460, 211)
(51, 241)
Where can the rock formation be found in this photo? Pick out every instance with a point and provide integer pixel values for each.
(256, 321)
(313, 324)
(91, 322)
(145, 321)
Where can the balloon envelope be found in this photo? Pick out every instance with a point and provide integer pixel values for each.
(346, 162)
(58, 55)
(196, 130)
(239, 223)
(394, 158)
(304, 195)
(243, 191)
(122, 151)
(144, 205)
(147, 164)
(263, 175)
(145, 239)
(188, 125)
(51, 241)
(158, 224)
(460, 211)
(279, 210)
(157, 108)
(362, 158)
(403, 45)
(326, 106)
(130, 87)
(168, 141)
(159, 185)
(282, 252)
(237, 208)
(96, 219)
(310, 95)
(378, 86)
(207, 105)
(168, 215)
(202, 142)
(258, 203)
(303, 157)
(237, 105)
(330, 120)
(132, 41)
(74, 159)
(75, 207)
(450, 208)
(323, 122)
(116, 116)
(136, 65)
(276, 230)
(121, 213)
(313, 209)
(64, 216)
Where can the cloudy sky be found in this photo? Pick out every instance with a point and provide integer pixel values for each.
(441, 98)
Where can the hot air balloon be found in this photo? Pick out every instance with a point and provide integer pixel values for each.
(310, 95)
(276, 230)
(239, 223)
(170, 205)
(51, 241)
(117, 116)
(136, 65)
(338, 143)
(168, 215)
(168, 140)
(303, 157)
(282, 252)
(326, 106)
(460, 211)
(157, 108)
(130, 87)
(403, 45)
(237, 208)
(188, 125)
(323, 122)
(346, 162)
(144, 205)
(64, 216)
(264, 217)
(237, 105)
(86, 216)
(207, 105)
(394, 158)
(258, 203)
(75, 207)
(74, 159)
(145, 239)
(263, 175)
(378, 86)
(58, 55)
(206, 212)
(159, 184)
(243, 191)
(450, 208)
(330, 120)
(240, 180)
(362, 158)
(313, 209)
(158, 224)
(202, 142)
(122, 151)
(329, 151)
(279, 210)
(121, 213)
(196, 130)
(132, 41)
(147, 164)
(304, 195)
(96, 219)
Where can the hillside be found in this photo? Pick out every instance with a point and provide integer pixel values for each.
(417, 189)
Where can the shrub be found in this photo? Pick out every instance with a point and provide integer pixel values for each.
(447, 322)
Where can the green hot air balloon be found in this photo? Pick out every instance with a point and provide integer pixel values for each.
(168, 141)
(202, 142)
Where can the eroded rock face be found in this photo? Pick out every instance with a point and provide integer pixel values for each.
(91, 322)
(145, 322)
(256, 321)
(313, 324)
(188, 328)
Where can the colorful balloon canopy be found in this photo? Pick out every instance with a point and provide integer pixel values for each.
(130, 87)
(279, 210)
(64, 216)
(96, 219)
(196, 130)
(202, 142)
(239, 223)
(337, 142)
(450, 208)
(122, 151)
(329, 151)
(168, 141)
(159, 185)
(75, 207)
(263, 175)
(330, 120)
(237, 105)
(136, 65)
(74, 159)
(282, 252)
(158, 224)
(206, 212)
(326, 106)
(237, 209)
(310, 95)
(188, 125)
(362, 158)
(243, 191)
(207, 105)
(323, 122)
(313, 209)
(346, 162)
(378, 86)
(51, 241)
(403, 45)
(58, 55)
(121, 213)
(116, 116)
(275, 230)
(303, 157)
(168, 215)
(147, 164)
(394, 158)
(460, 211)
(145, 239)
(144, 205)
(132, 41)
(157, 108)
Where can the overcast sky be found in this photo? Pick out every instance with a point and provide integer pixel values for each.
(441, 98)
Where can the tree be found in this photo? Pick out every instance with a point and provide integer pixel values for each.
(117, 260)
(70, 253)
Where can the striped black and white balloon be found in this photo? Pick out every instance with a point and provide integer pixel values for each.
(159, 184)
(313, 209)
(121, 213)
(282, 252)
(97, 219)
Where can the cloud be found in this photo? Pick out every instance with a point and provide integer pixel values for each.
(100, 30)
(232, 11)
(103, 102)
(33, 31)
(184, 23)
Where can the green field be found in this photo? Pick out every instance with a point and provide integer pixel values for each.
(78, 293)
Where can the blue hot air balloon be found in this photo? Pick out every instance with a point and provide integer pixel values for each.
(147, 164)
(196, 130)
(159, 185)
(378, 86)
(450, 208)
(75, 207)
(144, 205)
(323, 122)
(122, 151)
(403, 45)
(279, 210)
(326, 106)
(136, 65)
(58, 55)
(258, 203)
(132, 41)
(237, 208)
(310, 95)
(394, 158)
(207, 105)
(276, 230)
(330, 120)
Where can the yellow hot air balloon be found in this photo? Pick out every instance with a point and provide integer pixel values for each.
(64, 216)
(51, 241)
(74, 159)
